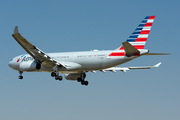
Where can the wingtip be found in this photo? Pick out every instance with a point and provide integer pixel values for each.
(16, 30)
(157, 65)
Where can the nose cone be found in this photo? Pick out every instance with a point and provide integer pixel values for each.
(13, 65)
(10, 64)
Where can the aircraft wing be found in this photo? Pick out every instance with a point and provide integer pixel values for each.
(124, 69)
(35, 52)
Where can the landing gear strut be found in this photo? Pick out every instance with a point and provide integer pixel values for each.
(82, 79)
(20, 76)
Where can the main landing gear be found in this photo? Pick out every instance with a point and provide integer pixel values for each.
(20, 76)
(56, 75)
(82, 79)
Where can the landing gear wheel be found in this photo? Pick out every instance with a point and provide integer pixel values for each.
(79, 79)
(20, 77)
(86, 83)
(57, 77)
(82, 82)
(53, 74)
(60, 78)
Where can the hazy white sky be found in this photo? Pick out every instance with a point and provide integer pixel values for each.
(83, 25)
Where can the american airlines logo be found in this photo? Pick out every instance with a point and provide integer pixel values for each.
(25, 58)
(20, 58)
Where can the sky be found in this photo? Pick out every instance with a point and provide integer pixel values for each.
(84, 25)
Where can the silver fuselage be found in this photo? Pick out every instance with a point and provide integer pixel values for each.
(76, 62)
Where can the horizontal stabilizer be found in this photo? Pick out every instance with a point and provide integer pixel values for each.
(157, 54)
(129, 49)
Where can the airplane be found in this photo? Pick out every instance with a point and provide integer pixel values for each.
(75, 65)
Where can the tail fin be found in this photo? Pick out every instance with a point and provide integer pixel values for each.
(140, 35)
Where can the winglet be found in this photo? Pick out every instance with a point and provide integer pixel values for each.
(157, 65)
(16, 30)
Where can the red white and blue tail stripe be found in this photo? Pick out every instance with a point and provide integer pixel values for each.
(140, 35)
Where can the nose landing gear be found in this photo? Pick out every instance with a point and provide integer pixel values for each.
(20, 76)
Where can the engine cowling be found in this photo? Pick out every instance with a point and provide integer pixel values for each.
(72, 76)
(29, 66)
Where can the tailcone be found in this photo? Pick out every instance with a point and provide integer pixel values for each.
(144, 51)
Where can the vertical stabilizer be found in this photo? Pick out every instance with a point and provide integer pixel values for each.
(139, 36)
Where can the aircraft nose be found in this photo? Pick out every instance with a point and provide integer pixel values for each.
(10, 64)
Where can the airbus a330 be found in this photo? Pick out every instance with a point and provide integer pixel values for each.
(75, 65)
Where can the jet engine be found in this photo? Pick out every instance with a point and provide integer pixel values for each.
(72, 76)
(30, 66)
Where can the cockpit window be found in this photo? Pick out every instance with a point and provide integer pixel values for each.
(11, 59)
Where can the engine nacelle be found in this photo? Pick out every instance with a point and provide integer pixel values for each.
(29, 66)
(72, 76)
